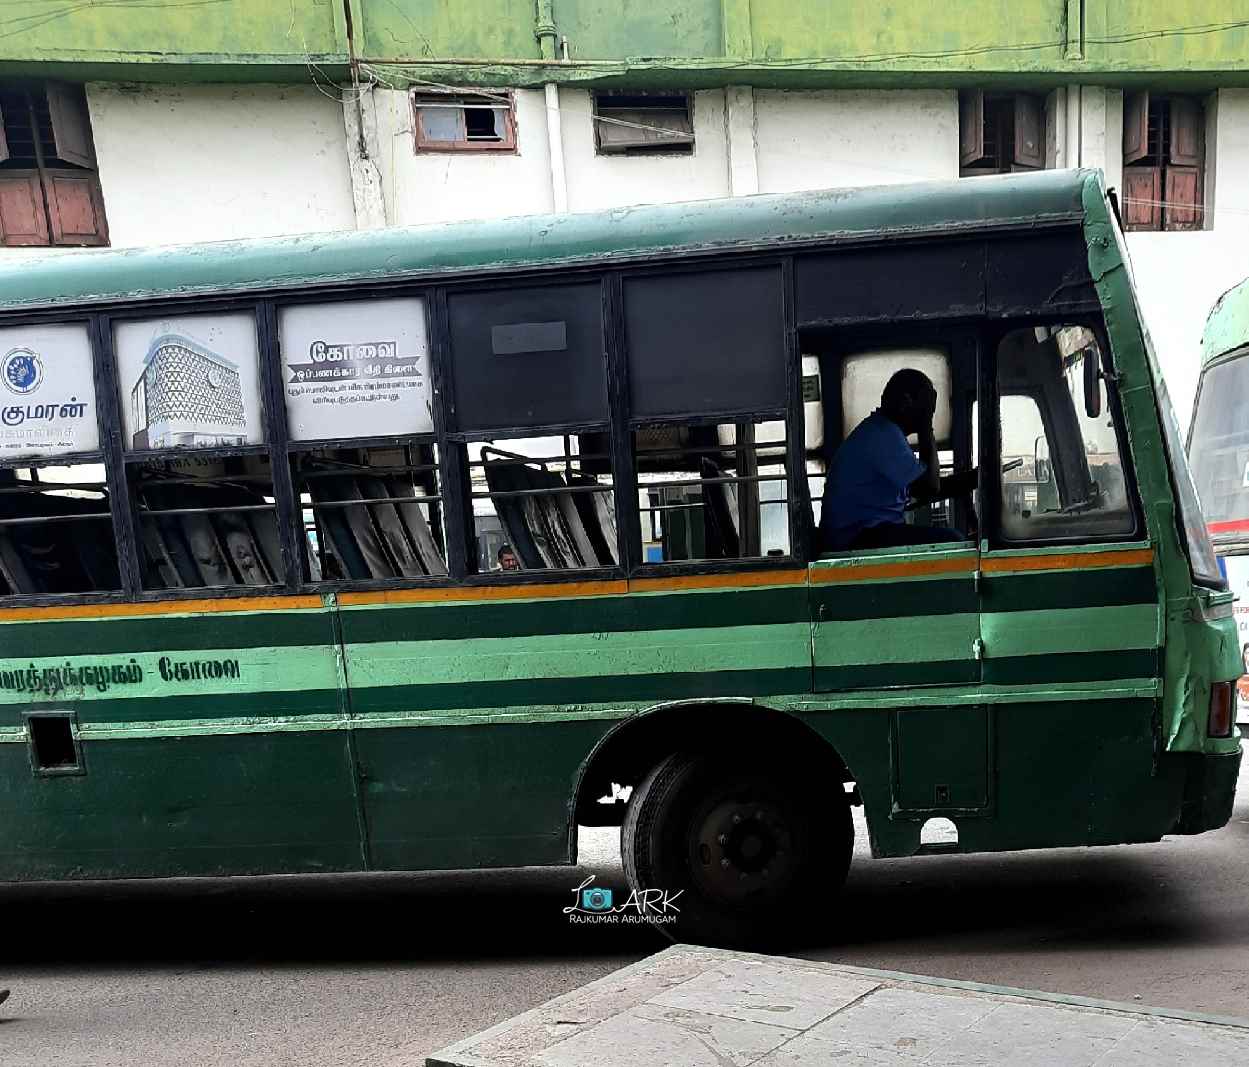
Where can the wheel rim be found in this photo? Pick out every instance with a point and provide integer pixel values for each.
(742, 846)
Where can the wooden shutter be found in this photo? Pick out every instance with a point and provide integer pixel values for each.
(71, 125)
(970, 127)
(1135, 126)
(75, 208)
(1187, 134)
(1184, 199)
(1142, 198)
(1029, 139)
(22, 217)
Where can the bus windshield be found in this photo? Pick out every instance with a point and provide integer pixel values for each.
(1219, 448)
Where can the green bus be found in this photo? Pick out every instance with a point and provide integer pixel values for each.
(421, 548)
(1218, 449)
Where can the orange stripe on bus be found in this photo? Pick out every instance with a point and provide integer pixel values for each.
(911, 569)
(1068, 561)
(483, 592)
(164, 607)
(718, 581)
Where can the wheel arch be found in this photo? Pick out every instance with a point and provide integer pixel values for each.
(636, 744)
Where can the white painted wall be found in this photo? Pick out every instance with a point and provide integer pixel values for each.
(445, 186)
(596, 181)
(820, 140)
(211, 162)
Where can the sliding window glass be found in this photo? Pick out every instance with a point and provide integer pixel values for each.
(707, 396)
(197, 466)
(364, 464)
(56, 530)
(529, 413)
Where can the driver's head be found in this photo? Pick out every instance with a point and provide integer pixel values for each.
(909, 399)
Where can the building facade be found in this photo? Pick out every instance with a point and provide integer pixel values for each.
(261, 117)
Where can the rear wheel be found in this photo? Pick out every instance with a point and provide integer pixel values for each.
(756, 852)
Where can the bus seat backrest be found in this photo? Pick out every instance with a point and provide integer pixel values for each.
(556, 528)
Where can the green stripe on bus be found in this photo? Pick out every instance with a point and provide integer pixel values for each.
(576, 615)
(306, 704)
(1069, 589)
(579, 655)
(1033, 633)
(576, 691)
(1073, 667)
(905, 639)
(882, 600)
(155, 633)
(888, 675)
(170, 675)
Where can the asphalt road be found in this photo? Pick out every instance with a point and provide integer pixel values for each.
(382, 969)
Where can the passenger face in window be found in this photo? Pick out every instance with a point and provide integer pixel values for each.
(507, 559)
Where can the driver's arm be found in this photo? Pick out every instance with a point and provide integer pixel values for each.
(930, 485)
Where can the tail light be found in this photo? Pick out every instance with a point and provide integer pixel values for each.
(1222, 701)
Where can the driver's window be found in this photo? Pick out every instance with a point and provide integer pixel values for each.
(1062, 461)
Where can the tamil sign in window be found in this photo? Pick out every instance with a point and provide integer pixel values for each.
(356, 369)
(48, 391)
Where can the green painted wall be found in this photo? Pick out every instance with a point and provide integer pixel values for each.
(690, 43)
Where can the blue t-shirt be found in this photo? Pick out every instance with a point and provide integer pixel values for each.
(867, 481)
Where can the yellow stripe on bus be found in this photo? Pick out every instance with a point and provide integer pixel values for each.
(1068, 561)
(909, 569)
(158, 607)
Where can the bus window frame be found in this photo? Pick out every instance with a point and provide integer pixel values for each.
(990, 482)
(628, 519)
(960, 339)
(107, 415)
(273, 428)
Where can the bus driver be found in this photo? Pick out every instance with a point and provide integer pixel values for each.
(875, 472)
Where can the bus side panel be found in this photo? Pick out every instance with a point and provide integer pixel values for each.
(471, 720)
(1077, 772)
(248, 803)
(1060, 773)
(448, 797)
(210, 742)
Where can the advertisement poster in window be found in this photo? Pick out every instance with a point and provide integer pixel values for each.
(189, 382)
(356, 369)
(47, 392)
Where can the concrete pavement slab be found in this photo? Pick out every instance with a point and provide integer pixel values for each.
(689, 1006)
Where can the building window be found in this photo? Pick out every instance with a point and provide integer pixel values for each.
(639, 123)
(1000, 132)
(1163, 162)
(464, 122)
(49, 188)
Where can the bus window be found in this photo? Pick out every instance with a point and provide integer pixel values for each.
(542, 503)
(1062, 460)
(56, 533)
(206, 522)
(712, 492)
(370, 513)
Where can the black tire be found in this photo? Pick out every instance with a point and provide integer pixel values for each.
(757, 846)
